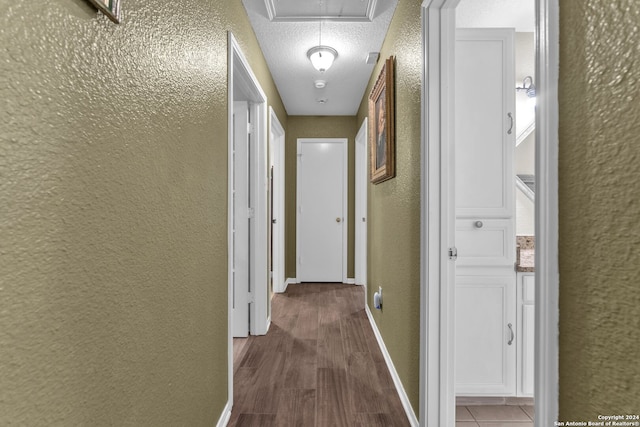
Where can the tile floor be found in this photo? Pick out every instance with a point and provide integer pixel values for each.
(494, 416)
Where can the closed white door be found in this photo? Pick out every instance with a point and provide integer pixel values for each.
(240, 227)
(321, 210)
(277, 142)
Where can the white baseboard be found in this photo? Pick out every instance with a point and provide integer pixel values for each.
(225, 416)
(351, 281)
(290, 280)
(408, 409)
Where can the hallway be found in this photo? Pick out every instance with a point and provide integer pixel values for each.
(319, 365)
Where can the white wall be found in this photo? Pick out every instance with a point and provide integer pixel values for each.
(525, 114)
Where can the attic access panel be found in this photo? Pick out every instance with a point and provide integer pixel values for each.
(334, 10)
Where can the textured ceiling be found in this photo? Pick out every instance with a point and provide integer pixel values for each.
(518, 14)
(354, 10)
(287, 29)
(285, 44)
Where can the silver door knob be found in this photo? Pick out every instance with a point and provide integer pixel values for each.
(338, 219)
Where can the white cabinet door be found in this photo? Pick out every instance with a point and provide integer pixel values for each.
(485, 335)
(486, 243)
(527, 361)
(526, 318)
(485, 126)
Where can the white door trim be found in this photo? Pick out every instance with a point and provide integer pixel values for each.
(345, 213)
(437, 375)
(241, 226)
(546, 390)
(260, 319)
(437, 382)
(362, 180)
(241, 78)
(277, 142)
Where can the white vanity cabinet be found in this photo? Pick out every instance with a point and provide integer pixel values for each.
(526, 333)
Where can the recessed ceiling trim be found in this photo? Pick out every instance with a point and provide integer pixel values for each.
(276, 14)
(271, 9)
(371, 9)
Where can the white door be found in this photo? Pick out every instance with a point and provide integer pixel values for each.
(321, 210)
(241, 221)
(362, 179)
(485, 297)
(276, 142)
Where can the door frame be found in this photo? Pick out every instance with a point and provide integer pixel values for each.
(437, 370)
(241, 78)
(240, 226)
(277, 146)
(361, 184)
(345, 198)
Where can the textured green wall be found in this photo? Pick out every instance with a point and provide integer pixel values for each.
(394, 206)
(316, 127)
(113, 207)
(599, 208)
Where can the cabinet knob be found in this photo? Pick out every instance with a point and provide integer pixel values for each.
(478, 224)
(338, 219)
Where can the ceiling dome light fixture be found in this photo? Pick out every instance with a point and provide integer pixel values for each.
(322, 57)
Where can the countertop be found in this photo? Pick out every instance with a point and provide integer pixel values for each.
(527, 261)
(526, 254)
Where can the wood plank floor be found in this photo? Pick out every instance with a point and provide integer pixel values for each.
(319, 365)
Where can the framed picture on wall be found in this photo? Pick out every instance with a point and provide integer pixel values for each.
(111, 8)
(382, 125)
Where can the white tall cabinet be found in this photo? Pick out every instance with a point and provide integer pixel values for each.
(485, 291)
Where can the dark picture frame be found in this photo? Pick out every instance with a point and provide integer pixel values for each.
(111, 8)
(382, 141)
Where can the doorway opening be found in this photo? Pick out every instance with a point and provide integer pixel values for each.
(439, 237)
(248, 302)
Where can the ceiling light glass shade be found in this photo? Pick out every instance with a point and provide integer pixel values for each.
(322, 57)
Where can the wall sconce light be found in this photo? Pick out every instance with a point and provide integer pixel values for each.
(528, 87)
(322, 57)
